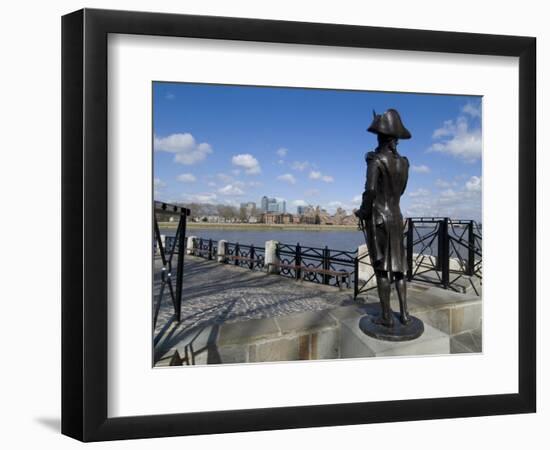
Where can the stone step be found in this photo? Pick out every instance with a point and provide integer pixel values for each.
(356, 344)
(327, 334)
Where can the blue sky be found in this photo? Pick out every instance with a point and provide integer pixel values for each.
(231, 144)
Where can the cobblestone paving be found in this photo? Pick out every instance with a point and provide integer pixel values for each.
(216, 293)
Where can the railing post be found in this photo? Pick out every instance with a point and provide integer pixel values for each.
(222, 251)
(298, 261)
(410, 248)
(326, 264)
(471, 249)
(191, 245)
(251, 256)
(237, 254)
(356, 276)
(271, 257)
(443, 252)
(179, 274)
(162, 242)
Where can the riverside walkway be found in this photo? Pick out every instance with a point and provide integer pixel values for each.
(216, 293)
(222, 302)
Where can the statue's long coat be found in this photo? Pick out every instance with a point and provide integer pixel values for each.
(387, 175)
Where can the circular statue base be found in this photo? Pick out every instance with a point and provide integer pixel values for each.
(398, 332)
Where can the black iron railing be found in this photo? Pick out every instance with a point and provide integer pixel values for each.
(248, 256)
(207, 248)
(440, 251)
(317, 265)
(444, 252)
(164, 269)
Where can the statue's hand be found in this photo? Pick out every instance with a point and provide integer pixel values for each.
(361, 214)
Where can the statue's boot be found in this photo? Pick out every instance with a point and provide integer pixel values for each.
(384, 287)
(401, 288)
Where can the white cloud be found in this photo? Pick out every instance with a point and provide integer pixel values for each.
(184, 147)
(231, 189)
(420, 192)
(187, 178)
(448, 193)
(456, 138)
(474, 184)
(299, 203)
(287, 177)
(454, 203)
(208, 197)
(246, 161)
(211, 184)
(316, 175)
(282, 152)
(357, 199)
(472, 110)
(333, 206)
(420, 169)
(300, 166)
(444, 184)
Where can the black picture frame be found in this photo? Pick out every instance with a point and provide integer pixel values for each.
(84, 224)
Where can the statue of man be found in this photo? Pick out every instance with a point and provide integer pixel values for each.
(380, 213)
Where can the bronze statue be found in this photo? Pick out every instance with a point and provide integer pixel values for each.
(382, 222)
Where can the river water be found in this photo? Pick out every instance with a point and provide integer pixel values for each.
(347, 240)
(342, 240)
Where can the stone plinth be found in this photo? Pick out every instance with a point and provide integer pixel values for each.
(163, 243)
(191, 245)
(271, 258)
(356, 344)
(222, 251)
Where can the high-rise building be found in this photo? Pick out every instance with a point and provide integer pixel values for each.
(304, 209)
(249, 207)
(272, 205)
(265, 203)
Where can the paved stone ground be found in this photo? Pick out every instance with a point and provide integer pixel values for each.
(220, 293)
(216, 293)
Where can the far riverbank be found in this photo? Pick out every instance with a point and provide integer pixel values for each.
(259, 226)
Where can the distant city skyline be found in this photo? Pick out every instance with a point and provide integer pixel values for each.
(232, 144)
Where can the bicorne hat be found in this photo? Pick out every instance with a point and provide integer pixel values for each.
(389, 124)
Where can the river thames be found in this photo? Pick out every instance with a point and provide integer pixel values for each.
(347, 240)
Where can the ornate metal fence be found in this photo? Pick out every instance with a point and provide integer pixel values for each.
(445, 252)
(164, 260)
(317, 265)
(249, 256)
(440, 251)
(207, 248)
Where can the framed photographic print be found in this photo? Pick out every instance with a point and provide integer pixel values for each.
(263, 219)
